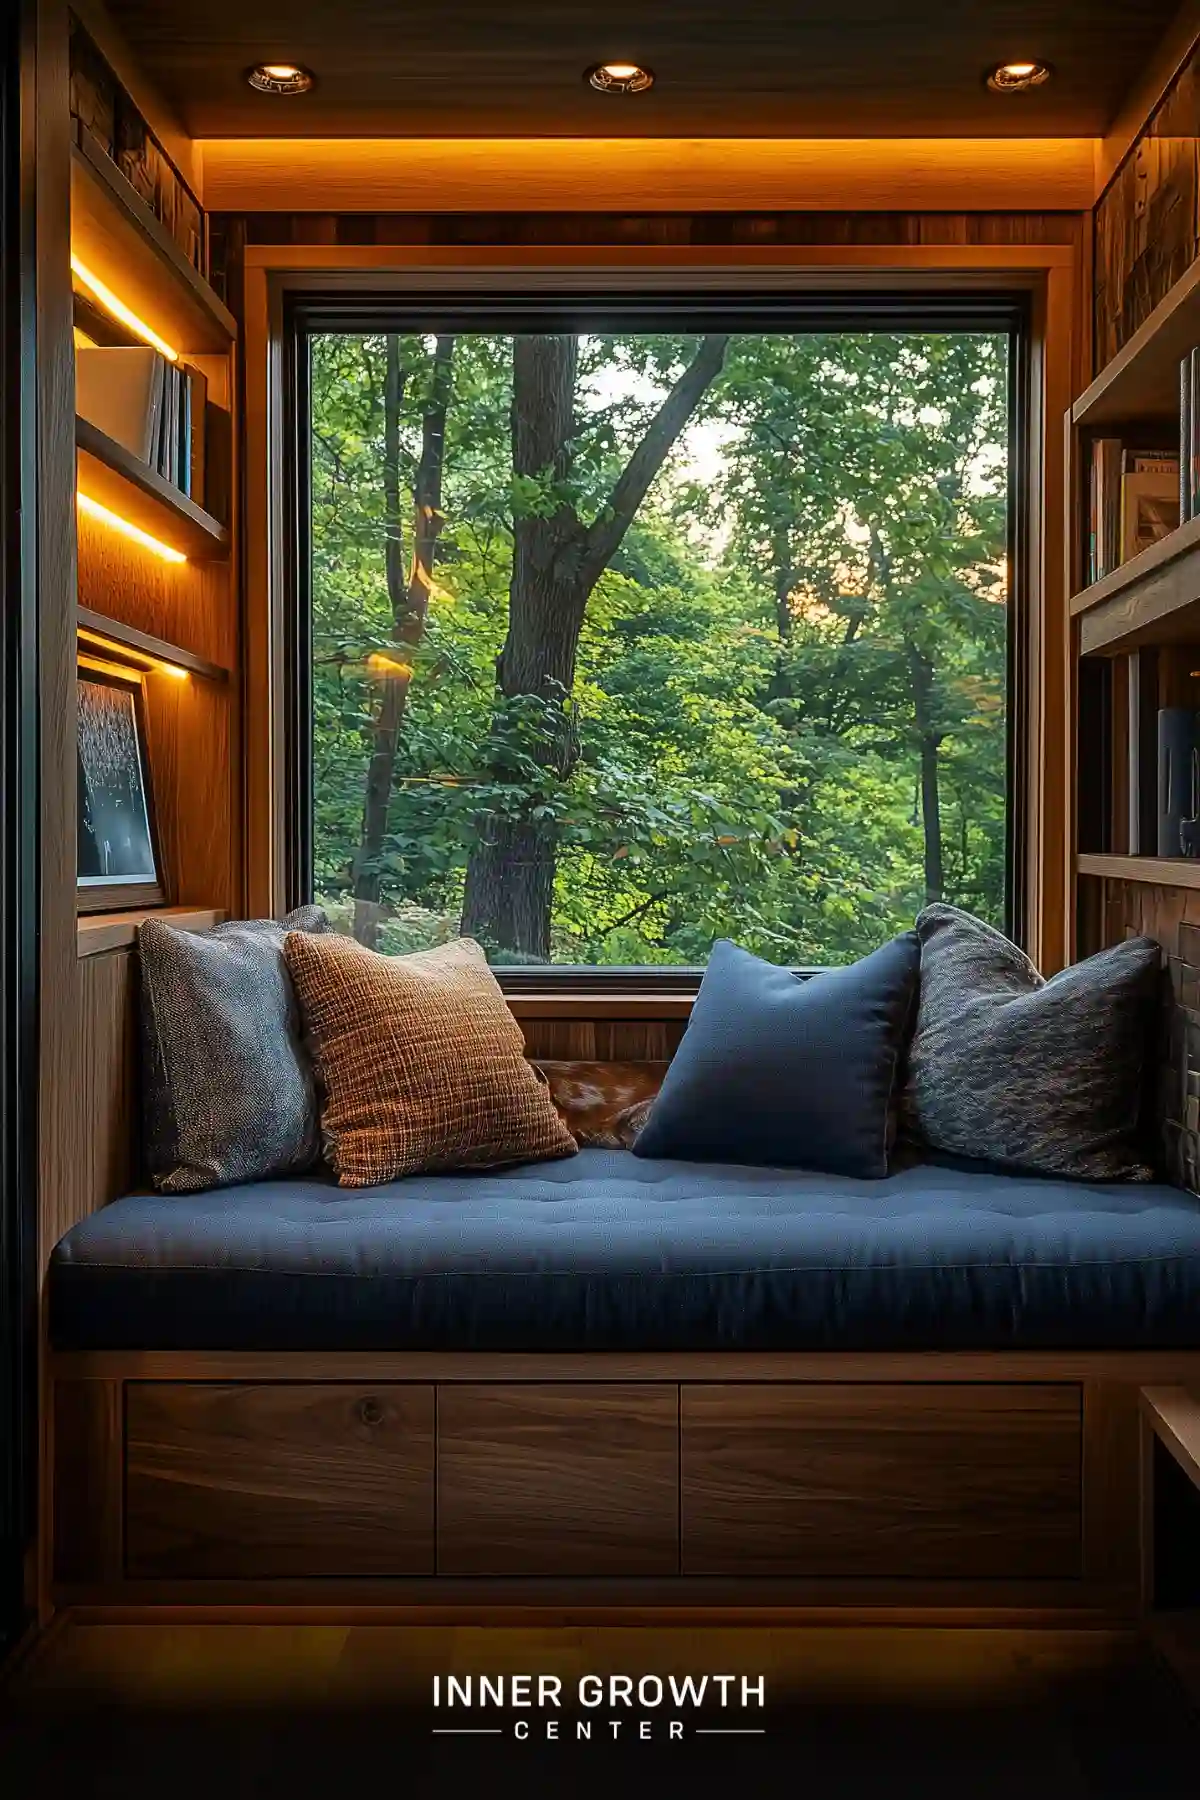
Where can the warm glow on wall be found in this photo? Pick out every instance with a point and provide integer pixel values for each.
(127, 529)
(380, 664)
(118, 310)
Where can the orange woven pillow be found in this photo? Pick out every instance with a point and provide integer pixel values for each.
(421, 1062)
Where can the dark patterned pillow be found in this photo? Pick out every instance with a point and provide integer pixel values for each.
(603, 1104)
(227, 1085)
(1041, 1076)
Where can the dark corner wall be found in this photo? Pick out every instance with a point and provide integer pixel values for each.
(18, 812)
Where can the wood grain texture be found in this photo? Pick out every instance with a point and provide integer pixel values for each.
(130, 70)
(1154, 897)
(1170, 54)
(188, 726)
(1173, 1414)
(555, 1479)
(1110, 1483)
(589, 1039)
(108, 1094)
(727, 174)
(117, 479)
(99, 933)
(117, 238)
(759, 71)
(189, 605)
(831, 1368)
(1146, 235)
(284, 1480)
(87, 1470)
(1157, 871)
(1141, 378)
(933, 1482)
(110, 636)
(1154, 598)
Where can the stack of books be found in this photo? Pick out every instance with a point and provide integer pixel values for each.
(153, 407)
(1134, 500)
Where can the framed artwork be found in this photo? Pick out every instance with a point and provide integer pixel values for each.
(118, 860)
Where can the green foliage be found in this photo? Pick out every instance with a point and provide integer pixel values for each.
(812, 596)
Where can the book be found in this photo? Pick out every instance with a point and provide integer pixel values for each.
(195, 432)
(1105, 506)
(1185, 438)
(120, 391)
(1149, 509)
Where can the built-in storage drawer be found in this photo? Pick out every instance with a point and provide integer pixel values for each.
(558, 1479)
(887, 1481)
(282, 1479)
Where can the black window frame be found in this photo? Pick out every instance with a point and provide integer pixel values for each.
(999, 310)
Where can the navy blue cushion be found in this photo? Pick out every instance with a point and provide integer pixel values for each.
(786, 1070)
(606, 1252)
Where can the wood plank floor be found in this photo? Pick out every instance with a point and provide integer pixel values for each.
(227, 1711)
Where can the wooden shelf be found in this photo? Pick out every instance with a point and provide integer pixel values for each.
(1158, 871)
(97, 628)
(1173, 1415)
(117, 237)
(122, 482)
(1142, 380)
(118, 930)
(1152, 599)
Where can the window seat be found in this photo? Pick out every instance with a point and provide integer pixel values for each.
(607, 1252)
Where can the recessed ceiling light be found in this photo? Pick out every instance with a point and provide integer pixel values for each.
(279, 78)
(1017, 77)
(620, 78)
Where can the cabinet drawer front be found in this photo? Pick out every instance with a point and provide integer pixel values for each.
(284, 1479)
(571, 1479)
(938, 1480)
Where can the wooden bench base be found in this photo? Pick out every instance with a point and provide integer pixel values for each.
(974, 1481)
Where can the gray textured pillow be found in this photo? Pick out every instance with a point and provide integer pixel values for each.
(227, 1084)
(1042, 1076)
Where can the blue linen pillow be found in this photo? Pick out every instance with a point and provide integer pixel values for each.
(789, 1071)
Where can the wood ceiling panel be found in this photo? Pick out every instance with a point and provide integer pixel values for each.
(763, 68)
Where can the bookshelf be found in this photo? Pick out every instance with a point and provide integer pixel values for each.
(109, 634)
(98, 933)
(1158, 871)
(117, 237)
(1152, 599)
(1142, 380)
(112, 475)
(173, 620)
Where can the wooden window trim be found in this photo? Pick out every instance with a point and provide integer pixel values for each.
(1050, 274)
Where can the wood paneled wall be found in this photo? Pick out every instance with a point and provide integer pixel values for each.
(1148, 219)
(231, 233)
(1109, 912)
(189, 722)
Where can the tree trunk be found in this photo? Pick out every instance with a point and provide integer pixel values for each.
(410, 605)
(557, 561)
(510, 875)
(929, 742)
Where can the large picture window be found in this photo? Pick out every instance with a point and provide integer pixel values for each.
(621, 640)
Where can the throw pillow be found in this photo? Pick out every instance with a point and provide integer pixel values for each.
(787, 1070)
(603, 1104)
(422, 1063)
(227, 1085)
(1041, 1076)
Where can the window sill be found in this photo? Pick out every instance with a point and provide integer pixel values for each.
(591, 1004)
